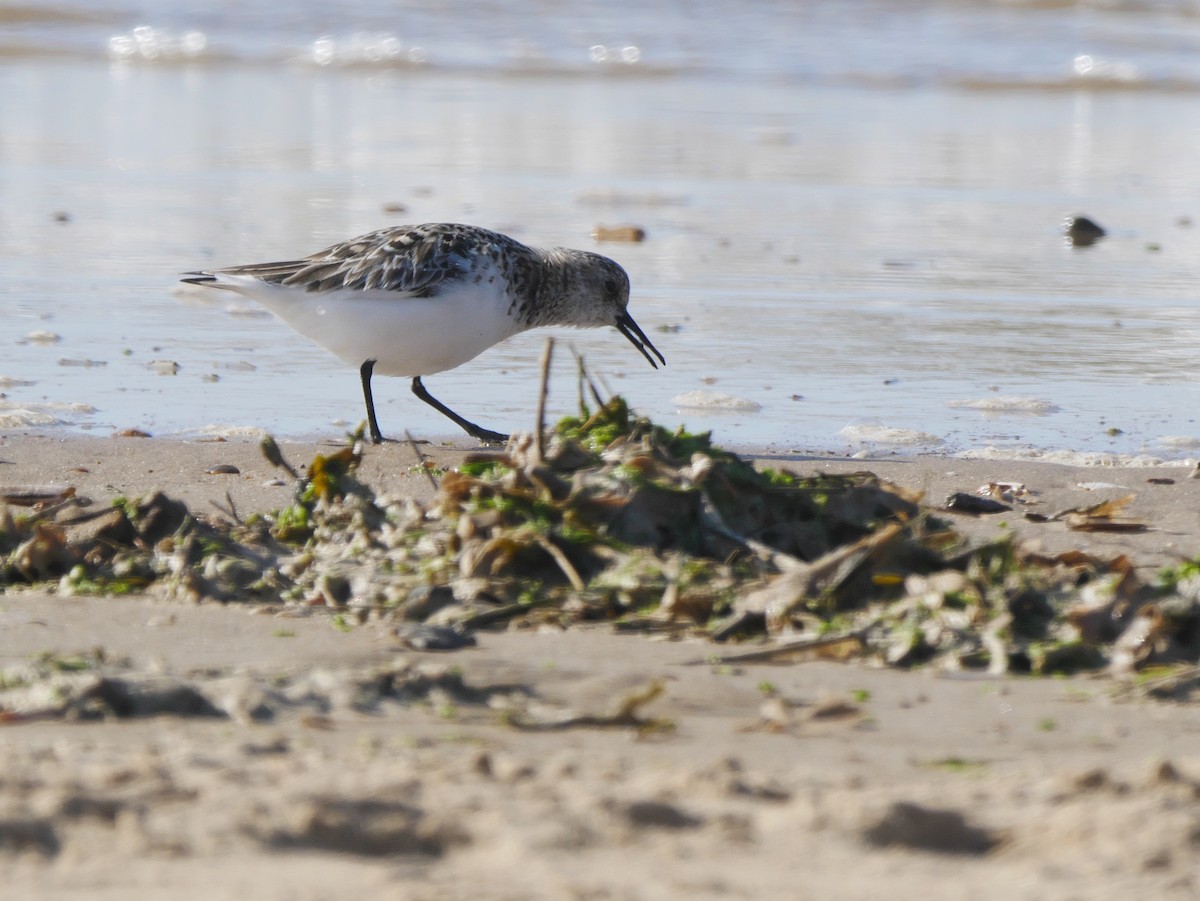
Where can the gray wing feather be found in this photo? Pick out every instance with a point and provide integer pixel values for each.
(412, 260)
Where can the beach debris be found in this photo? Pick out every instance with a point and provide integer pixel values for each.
(35, 495)
(838, 648)
(835, 708)
(1007, 492)
(1101, 517)
(1082, 231)
(624, 714)
(973, 504)
(274, 456)
(632, 234)
(222, 469)
(609, 518)
(164, 367)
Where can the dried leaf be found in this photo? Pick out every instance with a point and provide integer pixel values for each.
(1080, 523)
(33, 495)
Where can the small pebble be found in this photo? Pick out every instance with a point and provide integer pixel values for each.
(1082, 231)
(629, 233)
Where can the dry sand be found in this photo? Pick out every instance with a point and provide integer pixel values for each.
(849, 782)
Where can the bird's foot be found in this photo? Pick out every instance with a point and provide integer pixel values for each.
(380, 439)
(487, 436)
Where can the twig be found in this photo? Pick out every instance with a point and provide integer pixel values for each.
(421, 461)
(585, 377)
(543, 391)
(42, 513)
(828, 647)
(562, 560)
(230, 510)
(1169, 681)
(711, 518)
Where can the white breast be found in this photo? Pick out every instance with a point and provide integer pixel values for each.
(406, 336)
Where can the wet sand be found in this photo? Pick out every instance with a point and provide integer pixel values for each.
(843, 780)
(906, 275)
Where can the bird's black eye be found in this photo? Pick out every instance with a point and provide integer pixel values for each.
(610, 286)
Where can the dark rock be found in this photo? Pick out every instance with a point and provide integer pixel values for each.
(1083, 232)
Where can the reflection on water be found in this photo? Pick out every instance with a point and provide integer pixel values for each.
(842, 256)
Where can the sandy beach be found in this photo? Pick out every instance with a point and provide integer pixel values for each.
(854, 260)
(664, 774)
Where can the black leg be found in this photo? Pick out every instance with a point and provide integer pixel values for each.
(469, 427)
(372, 424)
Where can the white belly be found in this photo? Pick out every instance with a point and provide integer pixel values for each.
(406, 336)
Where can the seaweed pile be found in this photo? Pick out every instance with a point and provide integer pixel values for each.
(610, 518)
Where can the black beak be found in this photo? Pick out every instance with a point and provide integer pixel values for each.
(627, 327)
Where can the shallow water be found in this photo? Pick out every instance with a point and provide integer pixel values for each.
(853, 212)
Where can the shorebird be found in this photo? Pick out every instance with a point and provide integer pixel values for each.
(414, 300)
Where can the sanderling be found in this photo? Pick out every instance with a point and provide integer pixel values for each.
(418, 299)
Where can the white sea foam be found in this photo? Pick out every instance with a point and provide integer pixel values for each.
(1070, 457)
(216, 430)
(1179, 442)
(711, 400)
(41, 336)
(22, 417)
(1007, 404)
(874, 433)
